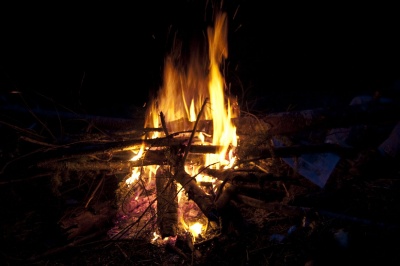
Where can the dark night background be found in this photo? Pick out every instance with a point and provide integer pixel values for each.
(99, 56)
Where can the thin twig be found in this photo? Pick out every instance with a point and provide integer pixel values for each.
(38, 142)
(95, 190)
(20, 129)
(164, 125)
(193, 132)
(37, 118)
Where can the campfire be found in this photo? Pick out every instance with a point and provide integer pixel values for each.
(177, 197)
(193, 177)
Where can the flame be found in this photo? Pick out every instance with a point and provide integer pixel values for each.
(134, 176)
(139, 154)
(185, 89)
(155, 236)
(224, 132)
(195, 229)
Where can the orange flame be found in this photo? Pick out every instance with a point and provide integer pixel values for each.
(224, 132)
(181, 97)
(184, 91)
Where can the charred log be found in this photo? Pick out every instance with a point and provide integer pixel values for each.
(225, 194)
(322, 118)
(167, 202)
(204, 202)
(267, 126)
(50, 155)
(274, 123)
(160, 157)
(81, 222)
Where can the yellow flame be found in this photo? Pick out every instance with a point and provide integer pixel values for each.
(185, 88)
(196, 229)
(224, 132)
(201, 137)
(183, 93)
(134, 176)
(139, 154)
(155, 236)
(192, 114)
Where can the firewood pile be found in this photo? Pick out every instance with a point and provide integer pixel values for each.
(65, 200)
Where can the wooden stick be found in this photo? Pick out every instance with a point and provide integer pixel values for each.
(195, 193)
(94, 191)
(167, 202)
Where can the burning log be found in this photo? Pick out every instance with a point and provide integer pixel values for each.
(263, 186)
(274, 123)
(49, 156)
(61, 157)
(269, 125)
(292, 122)
(167, 202)
(225, 195)
(195, 193)
(158, 157)
(204, 202)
